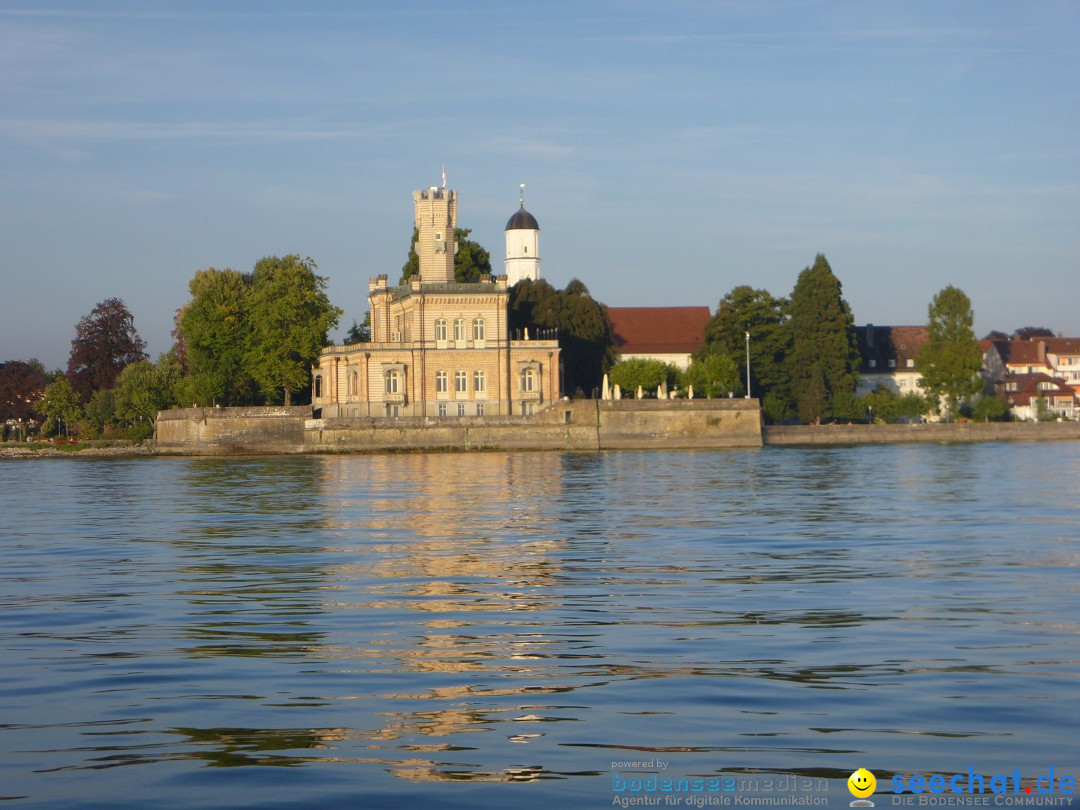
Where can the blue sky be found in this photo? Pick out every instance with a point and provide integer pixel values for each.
(671, 150)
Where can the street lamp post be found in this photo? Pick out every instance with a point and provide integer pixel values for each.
(748, 365)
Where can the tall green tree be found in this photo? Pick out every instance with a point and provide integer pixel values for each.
(144, 388)
(105, 343)
(100, 411)
(214, 334)
(586, 340)
(823, 362)
(470, 262)
(59, 404)
(289, 318)
(950, 360)
(743, 310)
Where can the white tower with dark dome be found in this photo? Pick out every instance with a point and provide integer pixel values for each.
(522, 245)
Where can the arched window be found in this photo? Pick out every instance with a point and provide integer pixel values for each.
(393, 381)
(318, 386)
(440, 382)
(528, 379)
(479, 381)
(354, 384)
(461, 381)
(459, 329)
(478, 329)
(440, 330)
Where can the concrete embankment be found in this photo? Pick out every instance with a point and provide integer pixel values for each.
(925, 433)
(565, 425)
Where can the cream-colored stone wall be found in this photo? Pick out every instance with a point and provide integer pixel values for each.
(569, 425)
(435, 219)
(351, 380)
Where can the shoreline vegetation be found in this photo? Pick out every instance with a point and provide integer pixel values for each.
(87, 449)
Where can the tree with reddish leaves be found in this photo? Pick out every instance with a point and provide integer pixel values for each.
(21, 385)
(105, 344)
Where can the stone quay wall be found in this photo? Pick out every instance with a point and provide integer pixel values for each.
(214, 431)
(926, 433)
(565, 425)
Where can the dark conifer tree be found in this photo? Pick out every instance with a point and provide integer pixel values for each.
(823, 362)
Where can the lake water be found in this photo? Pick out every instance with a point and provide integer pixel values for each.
(515, 630)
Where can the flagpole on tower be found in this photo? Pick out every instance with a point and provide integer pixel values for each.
(444, 175)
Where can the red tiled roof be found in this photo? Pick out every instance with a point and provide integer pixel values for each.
(1026, 352)
(1027, 387)
(659, 330)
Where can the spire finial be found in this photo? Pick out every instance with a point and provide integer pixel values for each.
(521, 199)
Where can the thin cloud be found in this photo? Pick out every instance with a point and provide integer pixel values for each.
(50, 130)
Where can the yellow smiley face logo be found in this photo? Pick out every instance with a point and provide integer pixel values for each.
(861, 783)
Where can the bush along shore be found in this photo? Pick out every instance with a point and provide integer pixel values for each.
(69, 449)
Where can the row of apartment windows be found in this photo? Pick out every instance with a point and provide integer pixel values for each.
(527, 409)
(527, 381)
(393, 383)
(461, 381)
(478, 330)
(461, 409)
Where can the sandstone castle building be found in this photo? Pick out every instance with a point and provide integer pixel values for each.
(440, 348)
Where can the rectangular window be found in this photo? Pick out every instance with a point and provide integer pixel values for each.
(461, 409)
(442, 409)
(873, 363)
(910, 363)
(892, 362)
(479, 408)
(440, 382)
(459, 330)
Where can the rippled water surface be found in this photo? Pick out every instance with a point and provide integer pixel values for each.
(491, 630)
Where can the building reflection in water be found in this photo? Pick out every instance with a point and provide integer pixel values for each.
(452, 608)
(464, 552)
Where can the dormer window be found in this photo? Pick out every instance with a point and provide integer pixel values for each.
(873, 364)
(892, 362)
